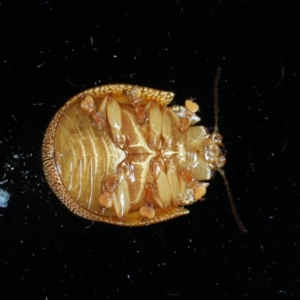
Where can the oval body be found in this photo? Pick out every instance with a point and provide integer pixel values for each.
(118, 154)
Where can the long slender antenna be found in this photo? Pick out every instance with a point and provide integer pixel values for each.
(221, 171)
(232, 205)
(216, 99)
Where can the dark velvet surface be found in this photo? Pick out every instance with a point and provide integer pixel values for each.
(50, 52)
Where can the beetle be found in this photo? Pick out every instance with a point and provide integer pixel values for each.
(119, 154)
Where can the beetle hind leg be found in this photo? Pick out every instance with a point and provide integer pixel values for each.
(88, 105)
(116, 195)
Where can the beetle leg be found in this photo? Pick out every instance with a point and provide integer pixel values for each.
(180, 118)
(151, 196)
(87, 104)
(121, 196)
(184, 116)
(100, 116)
(175, 118)
(182, 187)
(140, 114)
(191, 108)
(147, 211)
(155, 118)
(116, 194)
(121, 199)
(102, 106)
(173, 180)
(134, 96)
(111, 184)
(162, 184)
(105, 200)
(199, 192)
(199, 189)
(166, 126)
(114, 116)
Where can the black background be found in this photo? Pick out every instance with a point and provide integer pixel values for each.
(50, 52)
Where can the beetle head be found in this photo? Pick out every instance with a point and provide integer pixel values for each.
(213, 151)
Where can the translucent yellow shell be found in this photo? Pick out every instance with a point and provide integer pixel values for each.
(117, 154)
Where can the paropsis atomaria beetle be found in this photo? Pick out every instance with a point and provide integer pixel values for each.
(119, 154)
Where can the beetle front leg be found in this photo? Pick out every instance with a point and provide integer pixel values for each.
(185, 116)
(199, 188)
(191, 109)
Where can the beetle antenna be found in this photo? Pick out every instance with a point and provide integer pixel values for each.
(221, 171)
(232, 205)
(216, 99)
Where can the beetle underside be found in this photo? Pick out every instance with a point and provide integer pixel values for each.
(118, 154)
